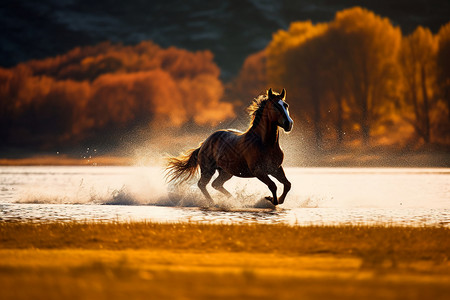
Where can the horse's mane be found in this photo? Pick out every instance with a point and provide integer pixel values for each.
(256, 108)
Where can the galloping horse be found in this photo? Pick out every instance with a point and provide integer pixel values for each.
(253, 153)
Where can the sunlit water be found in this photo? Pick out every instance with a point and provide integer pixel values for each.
(418, 197)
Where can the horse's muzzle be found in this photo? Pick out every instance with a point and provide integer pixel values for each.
(288, 124)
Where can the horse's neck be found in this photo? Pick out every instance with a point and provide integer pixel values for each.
(268, 131)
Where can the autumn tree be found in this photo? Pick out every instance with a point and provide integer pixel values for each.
(417, 61)
(443, 77)
(443, 62)
(358, 75)
(109, 91)
(295, 62)
(369, 46)
(336, 87)
(351, 59)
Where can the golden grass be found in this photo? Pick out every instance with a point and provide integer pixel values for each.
(393, 242)
(198, 261)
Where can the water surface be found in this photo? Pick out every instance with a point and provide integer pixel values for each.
(387, 196)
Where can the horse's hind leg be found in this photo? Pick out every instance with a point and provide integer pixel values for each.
(205, 177)
(220, 180)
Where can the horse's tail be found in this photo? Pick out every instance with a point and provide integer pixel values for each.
(183, 167)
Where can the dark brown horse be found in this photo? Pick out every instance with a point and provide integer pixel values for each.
(253, 153)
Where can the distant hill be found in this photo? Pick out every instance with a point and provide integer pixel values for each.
(230, 29)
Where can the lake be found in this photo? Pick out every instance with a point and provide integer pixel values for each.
(319, 196)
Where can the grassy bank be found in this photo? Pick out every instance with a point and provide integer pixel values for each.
(362, 241)
(167, 261)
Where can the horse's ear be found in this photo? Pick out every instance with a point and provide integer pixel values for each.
(283, 94)
(270, 93)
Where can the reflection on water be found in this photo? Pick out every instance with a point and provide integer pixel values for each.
(296, 217)
(319, 196)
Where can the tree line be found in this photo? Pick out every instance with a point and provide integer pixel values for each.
(358, 81)
(355, 81)
(108, 91)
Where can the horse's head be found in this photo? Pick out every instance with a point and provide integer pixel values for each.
(279, 110)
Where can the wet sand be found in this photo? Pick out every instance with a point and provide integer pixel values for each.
(198, 261)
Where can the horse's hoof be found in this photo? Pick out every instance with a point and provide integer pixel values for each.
(274, 202)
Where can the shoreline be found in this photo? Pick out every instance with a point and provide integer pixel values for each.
(63, 160)
(332, 160)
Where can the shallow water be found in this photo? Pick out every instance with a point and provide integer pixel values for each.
(319, 196)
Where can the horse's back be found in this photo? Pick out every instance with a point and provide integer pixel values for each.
(221, 140)
(222, 150)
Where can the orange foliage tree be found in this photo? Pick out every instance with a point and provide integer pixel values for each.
(295, 61)
(370, 47)
(357, 78)
(418, 65)
(343, 73)
(109, 90)
(443, 77)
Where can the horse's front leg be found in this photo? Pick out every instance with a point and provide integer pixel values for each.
(281, 177)
(271, 185)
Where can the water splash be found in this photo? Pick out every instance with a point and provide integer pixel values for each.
(130, 186)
